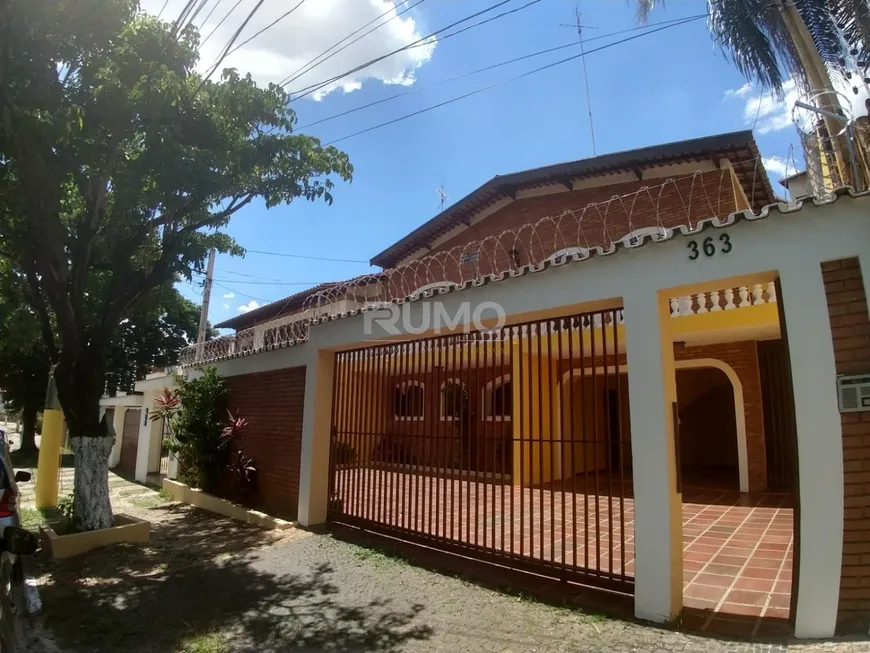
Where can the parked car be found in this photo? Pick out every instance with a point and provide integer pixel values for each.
(9, 480)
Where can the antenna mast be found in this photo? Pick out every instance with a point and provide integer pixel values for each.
(578, 25)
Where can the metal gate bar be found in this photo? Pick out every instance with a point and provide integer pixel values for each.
(506, 446)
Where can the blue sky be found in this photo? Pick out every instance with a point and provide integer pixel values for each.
(660, 88)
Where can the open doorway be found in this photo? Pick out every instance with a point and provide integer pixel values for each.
(708, 429)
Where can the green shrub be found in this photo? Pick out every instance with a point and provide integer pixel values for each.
(197, 419)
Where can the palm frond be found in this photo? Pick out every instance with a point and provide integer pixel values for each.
(754, 36)
(824, 30)
(853, 18)
(645, 8)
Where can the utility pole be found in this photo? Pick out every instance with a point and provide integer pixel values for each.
(206, 299)
(578, 25)
(819, 80)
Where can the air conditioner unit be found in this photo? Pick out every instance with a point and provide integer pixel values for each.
(853, 393)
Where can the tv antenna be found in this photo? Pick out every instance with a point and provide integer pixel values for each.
(442, 196)
(579, 26)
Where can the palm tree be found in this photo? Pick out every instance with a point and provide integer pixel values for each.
(772, 40)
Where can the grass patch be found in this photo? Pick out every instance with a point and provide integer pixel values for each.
(32, 519)
(148, 502)
(206, 643)
(374, 557)
(164, 495)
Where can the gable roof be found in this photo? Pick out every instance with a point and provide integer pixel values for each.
(738, 147)
(275, 309)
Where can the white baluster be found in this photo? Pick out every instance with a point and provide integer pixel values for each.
(771, 293)
(744, 296)
(757, 294)
(675, 307)
(259, 333)
(686, 305)
(714, 297)
(702, 303)
(729, 299)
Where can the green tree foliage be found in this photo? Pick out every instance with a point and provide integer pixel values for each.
(150, 337)
(119, 167)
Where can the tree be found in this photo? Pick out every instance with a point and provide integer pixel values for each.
(152, 336)
(767, 38)
(119, 167)
(23, 360)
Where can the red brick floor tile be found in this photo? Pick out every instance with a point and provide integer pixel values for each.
(755, 572)
(705, 592)
(725, 570)
(747, 597)
(739, 609)
(753, 584)
(714, 580)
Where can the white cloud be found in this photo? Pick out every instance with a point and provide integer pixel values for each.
(775, 115)
(226, 306)
(250, 306)
(306, 33)
(229, 295)
(777, 166)
(743, 91)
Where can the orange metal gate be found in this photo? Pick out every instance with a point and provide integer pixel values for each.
(509, 446)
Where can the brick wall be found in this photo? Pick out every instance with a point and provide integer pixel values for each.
(850, 328)
(743, 358)
(686, 200)
(272, 402)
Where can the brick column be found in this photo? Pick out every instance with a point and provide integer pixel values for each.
(850, 330)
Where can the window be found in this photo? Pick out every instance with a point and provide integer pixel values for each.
(454, 401)
(408, 400)
(499, 400)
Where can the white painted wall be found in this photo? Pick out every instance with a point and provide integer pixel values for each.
(794, 244)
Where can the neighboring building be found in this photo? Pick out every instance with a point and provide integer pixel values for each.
(658, 415)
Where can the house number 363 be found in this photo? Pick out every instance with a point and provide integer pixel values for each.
(708, 247)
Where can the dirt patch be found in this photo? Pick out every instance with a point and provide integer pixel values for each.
(150, 597)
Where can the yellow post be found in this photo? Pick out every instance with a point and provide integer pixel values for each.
(49, 449)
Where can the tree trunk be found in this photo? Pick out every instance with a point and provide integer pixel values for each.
(28, 430)
(93, 507)
(79, 377)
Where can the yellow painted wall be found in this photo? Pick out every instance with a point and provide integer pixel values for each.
(535, 382)
(361, 415)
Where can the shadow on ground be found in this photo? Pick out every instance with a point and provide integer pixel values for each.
(197, 577)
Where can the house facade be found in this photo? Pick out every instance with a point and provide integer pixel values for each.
(641, 390)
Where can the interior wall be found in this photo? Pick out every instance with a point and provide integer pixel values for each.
(708, 427)
(585, 418)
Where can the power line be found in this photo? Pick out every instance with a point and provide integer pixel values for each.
(221, 22)
(308, 66)
(273, 283)
(209, 15)
(505, 81)
(300, 256)
(241, 294)
(267, 27)
(231, 42)
(493, 67)
(242, 274)
(316, 87)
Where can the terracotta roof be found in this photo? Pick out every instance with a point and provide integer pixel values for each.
(273, 310)
(737, 147)
(778, 209)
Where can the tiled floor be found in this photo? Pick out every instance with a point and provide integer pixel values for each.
(737, 560)
(737, 549)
